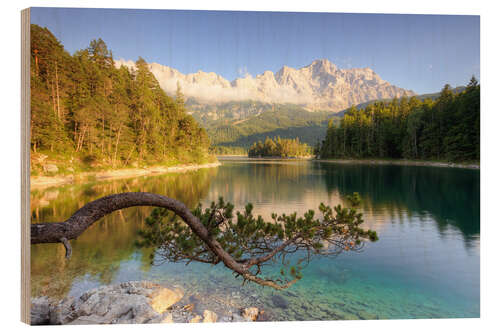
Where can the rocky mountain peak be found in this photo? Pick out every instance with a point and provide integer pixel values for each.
(322, 65)
(321, 85)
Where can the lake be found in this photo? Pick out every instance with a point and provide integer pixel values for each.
(425, 265)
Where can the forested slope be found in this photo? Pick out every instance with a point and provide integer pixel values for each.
(446, 129)
(85, 113)
(285, 121)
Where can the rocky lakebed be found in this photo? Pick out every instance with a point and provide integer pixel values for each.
(136, 302)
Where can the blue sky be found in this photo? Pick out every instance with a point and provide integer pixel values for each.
(418, 52)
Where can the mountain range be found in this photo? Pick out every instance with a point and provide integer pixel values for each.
(320, 86)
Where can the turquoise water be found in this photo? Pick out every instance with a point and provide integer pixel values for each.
(425, 265)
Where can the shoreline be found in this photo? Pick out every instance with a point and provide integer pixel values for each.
(232, 155)
(472, 166)
(282, 158)
(139, 302)
(274, 158)
(46, 181)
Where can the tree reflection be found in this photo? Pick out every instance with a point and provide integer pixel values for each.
(450, 196)
(100, 250)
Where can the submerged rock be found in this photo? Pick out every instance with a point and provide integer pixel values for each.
(263, 316)
(367, 316)
(279, 301)
(237, 318)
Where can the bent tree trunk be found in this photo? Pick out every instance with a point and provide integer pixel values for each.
(214, 233)
(62, 232)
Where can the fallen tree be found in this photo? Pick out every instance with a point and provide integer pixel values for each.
(211, 236)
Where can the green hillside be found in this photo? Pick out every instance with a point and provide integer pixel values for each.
(225, 112)
(285, 121)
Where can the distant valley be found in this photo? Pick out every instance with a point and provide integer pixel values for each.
(242, 123)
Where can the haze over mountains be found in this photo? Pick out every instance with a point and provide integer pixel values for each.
(318, 86)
